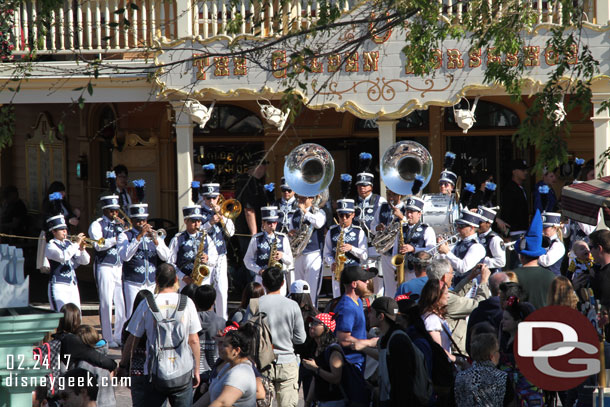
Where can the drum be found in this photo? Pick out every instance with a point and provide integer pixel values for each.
(440, 211)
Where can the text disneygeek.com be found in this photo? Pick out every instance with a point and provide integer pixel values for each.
(61, 383)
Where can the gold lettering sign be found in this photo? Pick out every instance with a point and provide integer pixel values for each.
(371, 61)
(200, 62)
(454, 59)
(278, 63)
(221, 66)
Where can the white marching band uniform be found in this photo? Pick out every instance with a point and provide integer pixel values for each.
(108, 269)
(193, 241)
(144, 264)
(497, 260)
(368, 213)
(475, 252)
(355, 236)
(308, 265)
(219, 276)
(64, 256)
(257, 255)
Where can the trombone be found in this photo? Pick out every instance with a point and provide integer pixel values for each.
(229, 208)
(453, 239)
(124, 219)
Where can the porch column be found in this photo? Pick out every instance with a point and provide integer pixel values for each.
(184, 156)
(602, 12)
(601, 132)
(387, 137)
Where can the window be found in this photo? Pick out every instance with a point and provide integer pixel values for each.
(417, 120)
(489, 115)
(231, 120)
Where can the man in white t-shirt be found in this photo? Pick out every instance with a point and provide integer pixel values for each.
(143, 322)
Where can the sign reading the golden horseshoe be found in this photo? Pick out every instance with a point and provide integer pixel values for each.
(374, 81)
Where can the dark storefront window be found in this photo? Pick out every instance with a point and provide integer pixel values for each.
(229, 157)
(489, 115)
(417, 120)
(231, 120)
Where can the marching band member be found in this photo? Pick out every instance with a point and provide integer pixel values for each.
(417, 236)
(389, 212)
(287, 205)
(368, 205)
(141, 250)
(354, 245)
(185, 246)
(495, 252)
(108, 269)
(63, 256)
(551, 222)
(261, 245)
(308, 264)
(120, 187)
(448, 179)
(468, 252)
(213, 222)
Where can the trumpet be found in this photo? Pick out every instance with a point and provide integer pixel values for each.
(453, 239)
(161, 233)
(89, 242)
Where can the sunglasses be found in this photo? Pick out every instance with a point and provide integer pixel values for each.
(344, 215)
(286, 190)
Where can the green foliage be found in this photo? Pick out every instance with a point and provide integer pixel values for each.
(7, 126)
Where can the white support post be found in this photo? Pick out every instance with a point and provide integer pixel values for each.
(184, 17)
(601, 132)
(387, 137)
(602, 12)
(184, 156)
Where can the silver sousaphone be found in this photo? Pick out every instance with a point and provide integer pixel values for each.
(400, 164)
(308, 170)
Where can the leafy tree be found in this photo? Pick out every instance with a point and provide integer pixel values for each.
(502, 24)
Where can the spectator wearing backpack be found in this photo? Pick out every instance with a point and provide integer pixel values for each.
(285, 322)
(132, 363)
(484, 384)
(235, 382)
(211, 323)
(252, 290)
(171, 325)
(326, 364)
(351, 328)
(437, 363)
(398, 358)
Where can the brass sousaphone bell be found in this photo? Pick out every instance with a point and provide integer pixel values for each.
(401, 163)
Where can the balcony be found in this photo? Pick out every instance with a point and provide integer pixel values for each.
(118, 27)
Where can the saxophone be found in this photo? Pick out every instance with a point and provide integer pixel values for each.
(398, 260)
(340, 257)
(200, 270)
(272, 262)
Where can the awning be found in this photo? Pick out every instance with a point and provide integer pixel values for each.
(582, 202)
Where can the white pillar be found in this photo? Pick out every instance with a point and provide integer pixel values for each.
(184, 156)
(387, 137)
(601, 132)
(184, 18)
(602, 12)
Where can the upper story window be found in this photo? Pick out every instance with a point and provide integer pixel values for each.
(489, 115)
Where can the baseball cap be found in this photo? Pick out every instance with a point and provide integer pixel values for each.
(355, 273)
(518, 164)
(387, 306)
(300, 287)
